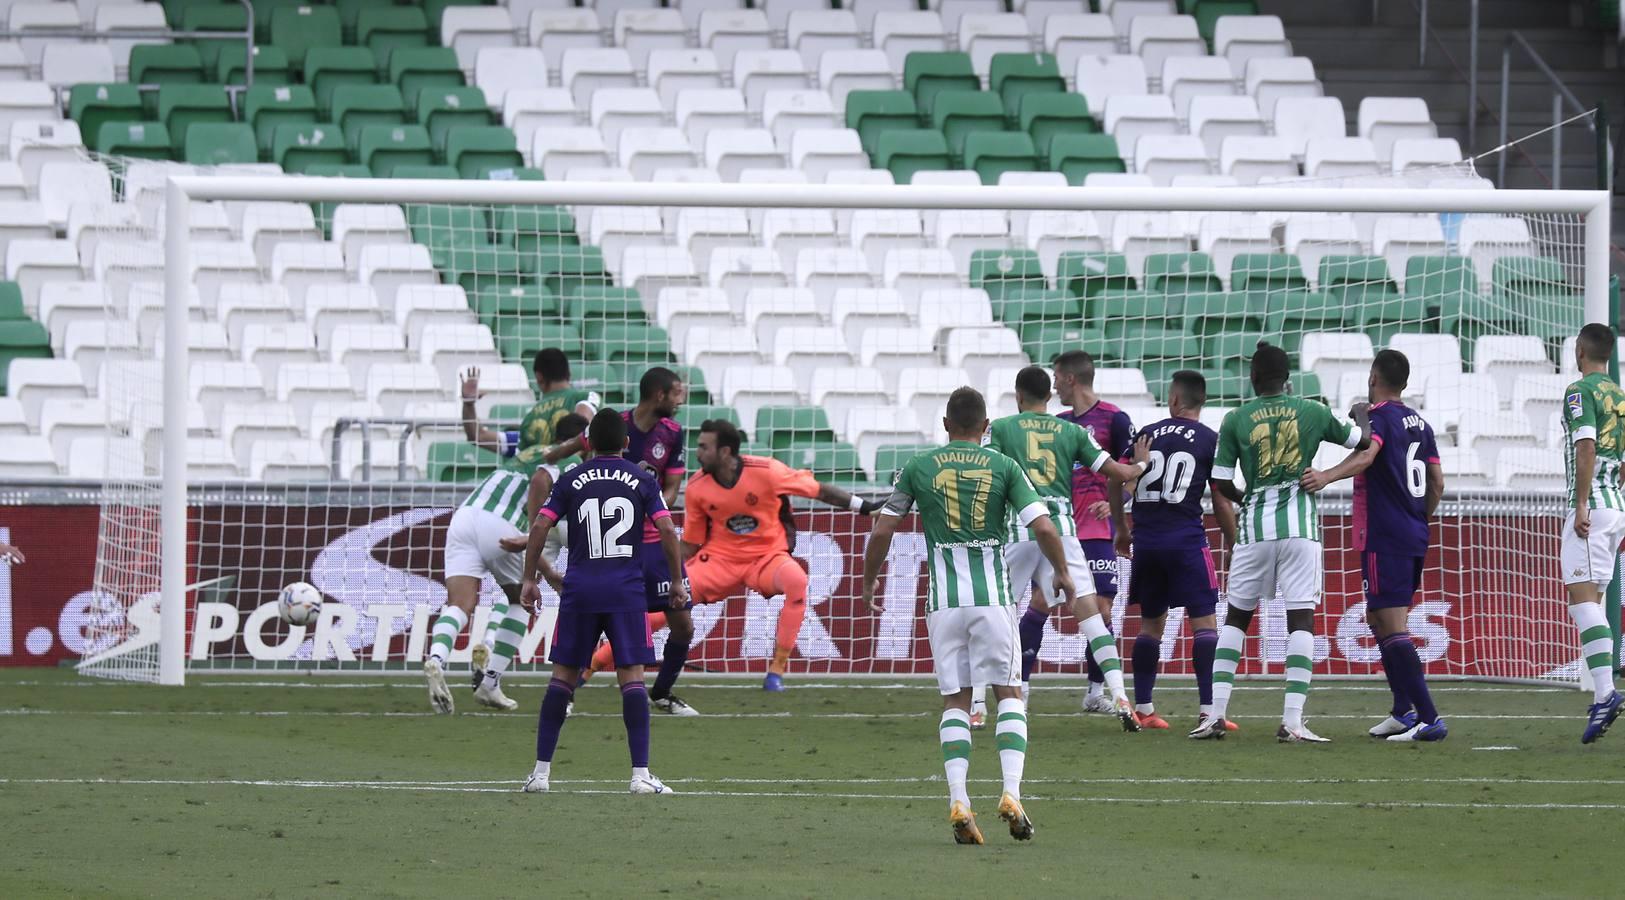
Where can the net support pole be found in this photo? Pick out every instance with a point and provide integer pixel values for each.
(1611, 597)
(172, 515)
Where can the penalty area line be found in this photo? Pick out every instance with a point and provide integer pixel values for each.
(783, 714)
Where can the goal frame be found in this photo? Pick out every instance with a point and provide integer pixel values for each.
(182, 190)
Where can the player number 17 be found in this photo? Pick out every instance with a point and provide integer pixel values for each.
(947, 481)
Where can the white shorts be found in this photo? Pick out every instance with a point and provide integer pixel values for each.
(472, 548)
(1294, 566)
(1592, 559)
(974, 646)
(1025, 562)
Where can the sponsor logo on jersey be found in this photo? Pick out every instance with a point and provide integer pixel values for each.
(658, 451)
(1103, 565)
(750, 499)
(1574, 405)
(742, 524)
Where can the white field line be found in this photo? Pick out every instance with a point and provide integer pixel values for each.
(797, 782)
(511, 788)
(372, 713)
(696, 685)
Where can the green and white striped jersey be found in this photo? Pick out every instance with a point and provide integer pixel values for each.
(1275, 438)
(965, 494)
(1592, 408)
(503, 492)
(1047, 448)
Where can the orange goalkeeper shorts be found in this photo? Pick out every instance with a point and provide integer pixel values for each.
(712, 579)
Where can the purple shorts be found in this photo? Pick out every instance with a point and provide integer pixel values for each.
(1102, 564)
(1390, 581)
(657, 579)
(576, 633)
(1166, 577)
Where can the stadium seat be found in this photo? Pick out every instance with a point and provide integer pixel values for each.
(1302, 119)
(749, 387)
(1163, 157)
(1215, 119)
(728, 31)
(1331, 355)
(1099, 78)
(356, 106)
(299, 29)
(1184, 78)
(1398, 238)
(1530, 469)
(1129, 118)
(65, 64)
(499, 70)
(1157, 38)
(385, 29)
(1410, 154)
(1241, 39)
(1079, 155)
(674, 71)
(842, 71)
(413, 69)
(1269, 80)
(813, 33)
(902, 31)
(870, 427)
(469, 29)
(731, 151)
(1383, 120)
(927, 74)
(785, 112)
(985, 35)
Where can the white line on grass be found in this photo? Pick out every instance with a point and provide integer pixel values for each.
(381, 714)
(791, 782)
(1265, 683)
(797, 795)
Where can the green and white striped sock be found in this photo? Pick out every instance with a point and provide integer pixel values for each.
(954, 732)
(1596, 646)
(510, 633)
(1226, 659)
(1300, 668)
(1010, 736)
(446, 628)
(499, 611)
(1104, 646)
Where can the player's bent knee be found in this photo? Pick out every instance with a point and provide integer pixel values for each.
(1153, 626)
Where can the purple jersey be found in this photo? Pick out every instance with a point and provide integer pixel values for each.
(1113, 431)
(1168, 498)
(657, 451)
(1390, 497)
(605, 500)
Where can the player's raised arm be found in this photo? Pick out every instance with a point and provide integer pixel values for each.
(477, 434)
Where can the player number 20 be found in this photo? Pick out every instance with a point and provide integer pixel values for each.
(1168, 479)
(605, 543)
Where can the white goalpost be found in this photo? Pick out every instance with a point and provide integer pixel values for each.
(1540, 259)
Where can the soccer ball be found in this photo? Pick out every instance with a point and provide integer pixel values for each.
(299, 604)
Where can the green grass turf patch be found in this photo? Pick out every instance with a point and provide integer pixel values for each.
(346, 786)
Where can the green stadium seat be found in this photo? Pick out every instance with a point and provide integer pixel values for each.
(991, 154)
(838, 463)
(413, 69)
(262, 16)
(890, 459)
(95, 105)
(296, 146)
(927, 74)
(1079, 155)
(476, 151)
(1085, 274)
(175, 10)
(11, 302)
(1156, 343)
(1122, 312)
(519, 339)
(1043, 341)
(384, 29)
(271, 66)
(138, 140)
(1212, 313)
(514, 173)
(628, 342)
(1180, 273)
(781, 426)
(1552, 306)
(438, 226)
(445, 109)
(218, 144)
(1294, 314)
(435, 9)
(597, 301)
(1356, 280)
(326, 68)
(461, 462)
(267, 108)
(420, 171)
(182, 105)
(21, 339)
(567, 270)
(1307, 384)
(300, 29)
(350, 14)
(1001, 271)
(534, 229)
(1266, 272)
(1043, 116)
(165, 64)
(873, 113)
(693, 378)
(1232, 351)
(1223, 387)
(484, 267)
(215, 17)
(906, 151)
(511, 304)
(1014, 76)
(613, 381)
(960, 113)
(1383, 319)
(384, 147)
(357, 106)
(1028, 304)
(508, 416)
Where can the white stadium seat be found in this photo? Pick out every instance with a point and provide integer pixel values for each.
(727, 32)
(1242, 39)
(984, 34)
(1072, 36)
(1156, 38)
(470, 29)
(748, 388)
(1339, 157)
(1300, 119)
(672, 71)
(812, 33)
(641, 31)
(497, 70)
(1100, 77)
(1184, 78)
(903, 31)
(1269, 80)
(1383, 120)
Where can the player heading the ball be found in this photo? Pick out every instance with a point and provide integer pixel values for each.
(607, 500)
(966, 493)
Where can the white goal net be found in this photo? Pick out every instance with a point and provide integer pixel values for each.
(331, 322)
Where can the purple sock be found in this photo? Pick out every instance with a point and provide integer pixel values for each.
(1409, 664)
(635, 713)
(1394, 670)
(1204, 644)
(1032, 637)
(1096, 674)
(671, 666)
(1147, 653)
(551, 719)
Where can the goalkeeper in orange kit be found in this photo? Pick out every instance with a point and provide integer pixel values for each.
(738, 533)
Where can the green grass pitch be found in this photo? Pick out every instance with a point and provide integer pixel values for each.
(346, 786)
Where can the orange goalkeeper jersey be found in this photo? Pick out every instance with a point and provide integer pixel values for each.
(743, 522)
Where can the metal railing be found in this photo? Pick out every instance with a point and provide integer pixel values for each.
(1423, 32)
(367, 424)
(1563, 100)
(152, 34)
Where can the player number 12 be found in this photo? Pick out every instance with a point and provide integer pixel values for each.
(606, 543)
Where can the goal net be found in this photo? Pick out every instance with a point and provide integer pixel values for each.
(331, 323)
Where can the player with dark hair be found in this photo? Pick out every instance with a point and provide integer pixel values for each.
(1048, 449)
(1173, 564)
(1594, 454)
(558, 398)
(966, 494)
(1398, 483)
(1273, 439)
(608, 501)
